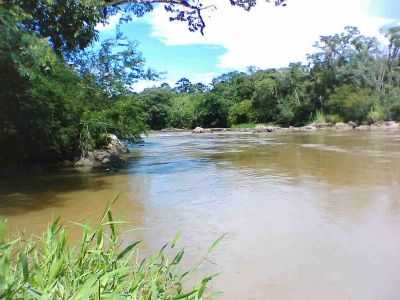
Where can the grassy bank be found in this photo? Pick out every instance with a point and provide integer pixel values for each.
(99, 268)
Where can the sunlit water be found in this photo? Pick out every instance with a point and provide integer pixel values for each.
(307, 216)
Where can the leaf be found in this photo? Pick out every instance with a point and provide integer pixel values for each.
(216, 242)
(127, 249)
(3, 226)
(175, 240)
(185, 296)
(24, 265)
(178, 257)
(86, 290)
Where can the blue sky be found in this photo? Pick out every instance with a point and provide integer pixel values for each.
(386, 8)
(198, 62)
(234, 39)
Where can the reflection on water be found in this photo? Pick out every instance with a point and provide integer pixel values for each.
(308, 216)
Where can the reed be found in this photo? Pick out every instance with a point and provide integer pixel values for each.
(98, 268)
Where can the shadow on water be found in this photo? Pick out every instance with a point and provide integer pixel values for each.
(21, 194)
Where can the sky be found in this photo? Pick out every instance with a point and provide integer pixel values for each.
(234, 39)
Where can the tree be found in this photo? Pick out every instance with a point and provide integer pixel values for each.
(184, 85)
(115, 67)
(241, 112)
(200, 87)
(43, 101)
(71, 24)
(393, 51)
(212, 111)
(351, 103)
(265, 99)
(156, 102)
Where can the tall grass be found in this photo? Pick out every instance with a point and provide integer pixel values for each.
(319, 117)
(99, 268)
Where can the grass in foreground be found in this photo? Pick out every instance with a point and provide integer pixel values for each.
(49, 268)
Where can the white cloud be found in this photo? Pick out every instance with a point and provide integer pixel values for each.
(111, 24)
(268, 36)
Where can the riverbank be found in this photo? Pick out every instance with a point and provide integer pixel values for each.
(387, 125)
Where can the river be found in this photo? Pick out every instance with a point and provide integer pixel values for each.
(307, 215)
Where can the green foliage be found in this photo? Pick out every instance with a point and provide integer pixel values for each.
(181, 113)
(125, 118)
(115, 65)
(241, 112)
(319, 117)
(69, 24)
(54, 110)
(265, 99)
(333, 119)
(156, 103)
(98, 268)
(391, 104)
(376, 114)
(351, 104)
(211, 111)
(40, 115)
(49, 111)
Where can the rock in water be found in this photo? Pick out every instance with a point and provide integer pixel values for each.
(115, 145)
(109, 157)
(198, 130)
(343, 126)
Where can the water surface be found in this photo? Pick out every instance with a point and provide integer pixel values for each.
(308, 216)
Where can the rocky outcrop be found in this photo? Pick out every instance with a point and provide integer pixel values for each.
(201, 130)
(262, 128)
(363, 128)
(343, 126)
(310, 127)
(109, 157)
(389, 125)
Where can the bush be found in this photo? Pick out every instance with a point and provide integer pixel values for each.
(319, 117)
(333, 119)
(181, 113)
(43, 102)
(211, 111)
(286, 113)
(241, 112)
(391, 104)
(156, 102)
(50, 268)
(376, 114)
(351, 103)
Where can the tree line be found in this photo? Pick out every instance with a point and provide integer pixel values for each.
(350, 77)
(59, 96)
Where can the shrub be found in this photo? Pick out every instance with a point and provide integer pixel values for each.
(333, 119)
(181, 113)
(241, 112)
(391, 104)
(351, 103)
(286, 114)
(376, 114)
(212, 111)
(319, 117)
(98, 268)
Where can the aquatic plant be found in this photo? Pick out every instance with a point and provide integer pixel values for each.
(99, 268)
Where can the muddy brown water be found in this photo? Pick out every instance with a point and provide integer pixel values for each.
(307, 216)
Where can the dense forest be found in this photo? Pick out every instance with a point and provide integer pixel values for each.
(62, 90)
